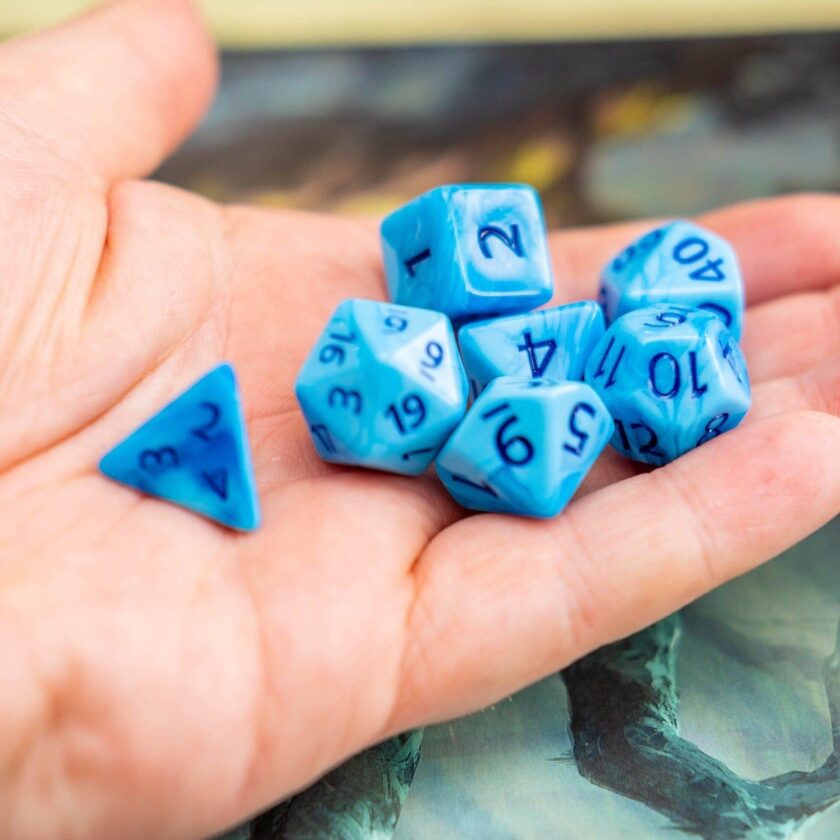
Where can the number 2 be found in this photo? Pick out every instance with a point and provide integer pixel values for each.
(648, 447)
(203, 431)
(511, 240)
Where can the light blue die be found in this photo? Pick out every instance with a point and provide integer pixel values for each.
(383, 387)
(525, 446)
(469, 251)
(549, 343)
(681, 263)
(672, 377)
(194, 452)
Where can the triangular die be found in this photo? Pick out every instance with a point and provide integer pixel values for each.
(194, 453)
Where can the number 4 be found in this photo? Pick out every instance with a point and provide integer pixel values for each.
(531, 347)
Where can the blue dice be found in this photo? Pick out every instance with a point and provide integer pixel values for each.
(550, 343)
(672, 377)
(469, 251)
(525, 446)
(680, 263)
(194, 453)
(383, 387)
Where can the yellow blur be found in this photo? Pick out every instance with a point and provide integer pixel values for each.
(285, 23)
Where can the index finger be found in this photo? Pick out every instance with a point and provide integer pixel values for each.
(784, 245)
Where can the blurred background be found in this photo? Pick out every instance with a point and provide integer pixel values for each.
(612, 110)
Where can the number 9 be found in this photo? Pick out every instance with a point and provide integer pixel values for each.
(332, 353)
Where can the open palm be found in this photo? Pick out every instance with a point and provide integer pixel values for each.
(163, 677)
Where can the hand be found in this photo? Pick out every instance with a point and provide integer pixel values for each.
(163, 677)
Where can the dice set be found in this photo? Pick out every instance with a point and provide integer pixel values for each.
(653, 367)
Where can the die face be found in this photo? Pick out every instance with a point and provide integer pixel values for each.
(549, 343)
(469, 250)
(525, 446)
(672, 377)
(383, 387)
(194, 453)
(679, 263)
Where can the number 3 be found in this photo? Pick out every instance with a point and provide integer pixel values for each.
(153, 460)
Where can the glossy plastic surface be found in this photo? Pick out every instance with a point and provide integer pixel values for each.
(549, 343)
(680, 263)
(194, 453)
(525, 446)
(383, 387)
(469, 251)
(672, 377)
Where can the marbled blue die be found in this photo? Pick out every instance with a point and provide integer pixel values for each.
(469, 251)
(672, 377)
(383, 387)
(194, 453)
(680, 263)
(525, 446)
(549, 343)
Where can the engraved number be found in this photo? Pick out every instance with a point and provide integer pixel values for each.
(517, 450)
(346, 399)
(581, 436)
(414, 410)
(157, 460)
(511, 240)
(538, 364)
(204, 430)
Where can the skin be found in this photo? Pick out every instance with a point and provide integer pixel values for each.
(163, 677)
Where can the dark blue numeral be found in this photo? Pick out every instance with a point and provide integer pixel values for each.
(675, 372)
(697, 389)
(413, 408)
(646, 448)
(724, 314)
(203, 431)
(529, 346)
(729, 358)
(710, 271)
(323, 434)
(483, 486)
(156, 460)
(349, 339)
(601, 370)
(396, 323)
(332, 353)
(511, 240)
(504, 447)
(434, 356)
(693, 249)
(655, 377)
(671, 318)
(346, 399)
(217, 481)
(690, 250)
(416, 260)
(582, 436)
(713, 428)
(335, 352)
(495, 410)
(623, 259)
